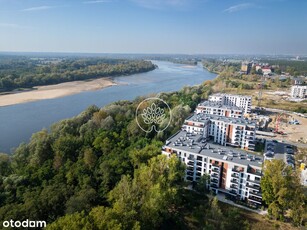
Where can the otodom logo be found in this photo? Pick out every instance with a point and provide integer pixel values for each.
(24, 224)
(153, 114)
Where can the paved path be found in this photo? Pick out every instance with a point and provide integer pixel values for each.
(221, 198)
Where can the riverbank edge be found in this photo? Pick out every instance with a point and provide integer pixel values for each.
(56, 91)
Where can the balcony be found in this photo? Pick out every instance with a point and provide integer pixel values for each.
(215, 175)
(255, 172)
(191, 163)
(215, 181)
(191, 158)
(254, 181)
(234, 175)
(189, 173)
(198, 174)
(252, 186)
(199, 163)
(236, 170)
(217, 170)
(255, 199)
(233, 186)
(234, 181)
(257, 194)
(215, 164)
(232, 191)
(190, 168)
(213, 186)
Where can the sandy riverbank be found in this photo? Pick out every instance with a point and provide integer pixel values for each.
(55, 91)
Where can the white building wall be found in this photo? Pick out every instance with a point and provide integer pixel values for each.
(299, 91)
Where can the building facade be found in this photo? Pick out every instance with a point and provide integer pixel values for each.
(215, 108)
(244, 102)
(299, 91)
(236, 132)
(231, 171)
(246, 67)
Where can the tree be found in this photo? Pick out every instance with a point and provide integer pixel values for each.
(282, 191)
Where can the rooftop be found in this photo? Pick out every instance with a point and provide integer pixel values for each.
(213, 104)
(205, 117)
(229, 95)
(195, 143)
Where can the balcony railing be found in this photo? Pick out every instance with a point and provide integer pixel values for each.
(254, 181)
(258, 194)
(213, 186)
(253, 200)
(233, 191)
(258, 173)
(256, 187)
(215, 175)
(213, 180)
(234, 181)
(190, 168)
(235, 175)
(234, 186)
(236, 170)
(189, 173)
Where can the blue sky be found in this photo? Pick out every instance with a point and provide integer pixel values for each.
(155, 26)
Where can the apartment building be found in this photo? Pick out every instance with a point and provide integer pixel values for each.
(246, 67)
(236, 132)
(216, 108)
(299, 91)
(232, 171)
(244, 102)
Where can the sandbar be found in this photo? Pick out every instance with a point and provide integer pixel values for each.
(55, 91)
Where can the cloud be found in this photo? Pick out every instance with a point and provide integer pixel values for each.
(38, 8)
(96, 1)
(239, 7)
(161, 4)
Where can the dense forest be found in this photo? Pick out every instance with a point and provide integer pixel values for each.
(294, 68)
(26, 72)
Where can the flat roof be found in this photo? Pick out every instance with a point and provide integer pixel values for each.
(205, 117)
(214, 104)
(195, 143)
(231, 95)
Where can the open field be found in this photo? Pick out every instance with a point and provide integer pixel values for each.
(55, 91)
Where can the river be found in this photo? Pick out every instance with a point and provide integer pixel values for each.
(19, 122)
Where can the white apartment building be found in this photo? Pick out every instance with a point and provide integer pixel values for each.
(216, 108)
(232, 171)
(299, 91)
(244, 102)
(229, 131)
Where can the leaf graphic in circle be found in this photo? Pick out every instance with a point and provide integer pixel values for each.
(153, 114)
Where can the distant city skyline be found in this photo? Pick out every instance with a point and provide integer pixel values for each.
(154, 26)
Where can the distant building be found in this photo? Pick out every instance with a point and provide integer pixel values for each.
(246, 67)
(266, 70)
(299, 91)
(258, 67)
(298, 81)
(244, 102)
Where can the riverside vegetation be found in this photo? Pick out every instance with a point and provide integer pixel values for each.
(25, 72)
(98, 170)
